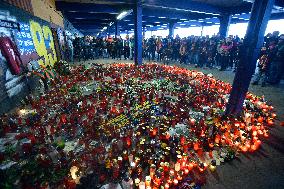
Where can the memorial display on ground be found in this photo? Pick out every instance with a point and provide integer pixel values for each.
(149, 126)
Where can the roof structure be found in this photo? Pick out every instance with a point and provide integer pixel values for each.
(94, 16)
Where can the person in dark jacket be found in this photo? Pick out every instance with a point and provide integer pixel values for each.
(263, 63)
(277, 64)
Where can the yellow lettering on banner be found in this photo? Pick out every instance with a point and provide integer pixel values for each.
(48, 35)
(38, 39)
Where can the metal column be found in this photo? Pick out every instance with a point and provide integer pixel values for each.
(137, 32)
(253, 41)
(117, 32)
(171, 29)
(225, 20)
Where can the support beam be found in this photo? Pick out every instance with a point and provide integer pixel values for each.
(137, 32)
(86, 15)
(173, 14)
(171, 29)
(202, 29)
(88, 7)
(253, 41)
(117, 32)
(225, 20)
(188, 5)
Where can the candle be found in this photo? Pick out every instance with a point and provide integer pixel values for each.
(73, 171)
(212, 166)
(177, 166)
(22, 112)
(186, 171)
(137, 181)
(148, 181)
(152, 170)
(142, 185)
(175, 181)
(130, 157)
(167, 186)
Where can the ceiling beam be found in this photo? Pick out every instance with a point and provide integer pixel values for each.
(89, 7)
(279, 3)
(164, 12)
(188, 5)
(276, 16)
(90, 15)
(91, 21)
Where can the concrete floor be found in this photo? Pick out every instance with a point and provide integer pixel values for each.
(263, 169)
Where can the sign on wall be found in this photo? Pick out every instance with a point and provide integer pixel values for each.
(34, 40)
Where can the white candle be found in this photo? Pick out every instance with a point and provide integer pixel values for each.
(142, 185)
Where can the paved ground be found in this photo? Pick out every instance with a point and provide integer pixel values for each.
(263, 169)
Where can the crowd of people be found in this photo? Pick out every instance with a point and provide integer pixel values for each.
(215, 51)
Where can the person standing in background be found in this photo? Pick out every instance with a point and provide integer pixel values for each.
(182, 52)
(277, 64)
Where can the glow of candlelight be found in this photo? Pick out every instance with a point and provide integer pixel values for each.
(73, 171)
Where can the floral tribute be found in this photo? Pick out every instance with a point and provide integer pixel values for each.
(149, 126)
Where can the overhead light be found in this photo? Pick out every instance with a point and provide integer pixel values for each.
(193, 25)
(151, 16)
(104, 28)
(235, 17)
(149, 25)
(209, 22)
(123, 14)
(131, 24)
(162, 17)
(157, 22)
(182, 24)
(183, 19)
(111, 23)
